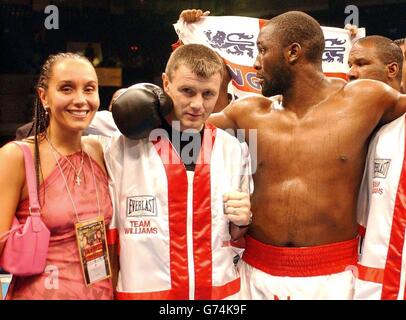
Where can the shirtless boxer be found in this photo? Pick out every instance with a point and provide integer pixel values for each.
(311, 156)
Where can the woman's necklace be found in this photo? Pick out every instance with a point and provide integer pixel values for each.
(54, 152)
(95, 267)
(78, 180)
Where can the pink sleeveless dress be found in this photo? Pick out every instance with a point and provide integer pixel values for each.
(63, 277)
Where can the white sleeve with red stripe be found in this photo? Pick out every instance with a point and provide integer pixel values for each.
(364, 191)
(382, 209)
(114, 169)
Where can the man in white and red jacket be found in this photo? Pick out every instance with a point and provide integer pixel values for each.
(180, 194)
(382, 200)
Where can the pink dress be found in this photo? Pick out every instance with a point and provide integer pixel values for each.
(63, 277)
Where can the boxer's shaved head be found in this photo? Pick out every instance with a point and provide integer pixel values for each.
(287, 39)
(400, 42)
(295, 26)
(386, 50)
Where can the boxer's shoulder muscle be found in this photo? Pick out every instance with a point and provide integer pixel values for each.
(253, 101)
(339, 82)
(370, 96)
(367, 89)
(249, 105)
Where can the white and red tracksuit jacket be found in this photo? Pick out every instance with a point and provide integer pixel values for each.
(173, 235)
(382, 210)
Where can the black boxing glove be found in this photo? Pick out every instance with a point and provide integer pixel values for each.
(141, 109)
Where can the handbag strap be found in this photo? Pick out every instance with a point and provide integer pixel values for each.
(34, 207)
(31, 179)
(4, 236)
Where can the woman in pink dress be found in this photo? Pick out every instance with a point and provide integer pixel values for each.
(72, 182)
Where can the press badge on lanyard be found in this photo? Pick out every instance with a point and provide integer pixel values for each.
(93, 251)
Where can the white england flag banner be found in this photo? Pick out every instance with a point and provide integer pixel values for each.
(234, 38)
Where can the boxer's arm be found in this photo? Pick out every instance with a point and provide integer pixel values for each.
(235, 115)
(377, 99)
(397, 105)
(236, 232)
(189, 16)
(222, 120)
(353, 29)
(192, 15)
(227, 118)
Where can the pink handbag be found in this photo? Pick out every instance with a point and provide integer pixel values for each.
(26, 249)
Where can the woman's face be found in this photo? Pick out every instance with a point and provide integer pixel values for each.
(72, 97)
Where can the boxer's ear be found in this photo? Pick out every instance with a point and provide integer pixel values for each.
(165, 82)
(392, 70)
(293, 52)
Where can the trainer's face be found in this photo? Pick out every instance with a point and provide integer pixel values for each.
(193, 97)
(365, 64)
(274, 75)
(72, 97)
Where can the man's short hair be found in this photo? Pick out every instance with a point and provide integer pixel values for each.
(386, 49)
(202, 61)
(400, 41)
(296, 26)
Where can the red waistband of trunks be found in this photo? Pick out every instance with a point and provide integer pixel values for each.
(302, 261)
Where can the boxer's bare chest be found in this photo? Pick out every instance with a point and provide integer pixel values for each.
(327, 134)
(302, 160)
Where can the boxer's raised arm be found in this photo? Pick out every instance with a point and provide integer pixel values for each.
(235, 114)
(399, 107)
(376, 99)
(396, 105)
(222, 120)
(192, 15)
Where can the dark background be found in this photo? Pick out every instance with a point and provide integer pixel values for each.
(136, 35)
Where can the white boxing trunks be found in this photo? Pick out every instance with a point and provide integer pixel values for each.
(281, 273)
